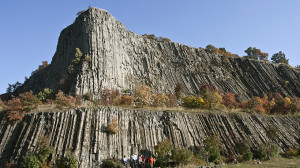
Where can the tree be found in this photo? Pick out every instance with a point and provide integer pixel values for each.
(256, 54)
(211, 49)
(279, 58)
(13, 87)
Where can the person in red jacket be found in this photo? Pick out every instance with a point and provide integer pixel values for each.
(151, 161)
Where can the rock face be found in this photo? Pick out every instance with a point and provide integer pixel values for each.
(82, 131)
(120, 59)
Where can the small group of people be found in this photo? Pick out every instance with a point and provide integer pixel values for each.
(138, 162)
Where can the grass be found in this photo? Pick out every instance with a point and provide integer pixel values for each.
(273, 163)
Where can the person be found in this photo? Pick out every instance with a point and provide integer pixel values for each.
(124, 161)
(151, 161)
(133, 160)
(141, 163)
(144, 160)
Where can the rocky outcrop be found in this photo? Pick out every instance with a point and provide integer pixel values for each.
(82, 131)
(121, 59)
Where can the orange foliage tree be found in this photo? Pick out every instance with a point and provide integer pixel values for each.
(142, 95)
(14, 109)
(63, 100)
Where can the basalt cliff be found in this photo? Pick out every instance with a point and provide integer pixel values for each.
(82, 131)
(120, 59)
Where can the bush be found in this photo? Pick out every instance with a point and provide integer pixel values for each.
(127, 100)
(229, 100)
(14, 109)
(271, 132)
(68, 161)
(46, 94)
(31, 161)
(212, 148)
(247, 156)
(142, 95)
(113, 163)
(63, 100)
(160, 100)
(29, 101)
(106, 97)
(172, 100)
(163, 150)
(181, 156)
(292, 152)
(267, 151)
(282, 106)
(193, 102)
(242, 147)
(179, 90)
(78, 56)
(113, 127)
(44, 150)
(88, 96)
(11, 165)
(44, 65)
(211, 96)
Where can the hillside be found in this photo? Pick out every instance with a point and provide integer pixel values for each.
(120, 59)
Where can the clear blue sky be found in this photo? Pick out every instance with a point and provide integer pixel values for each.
(30, 29)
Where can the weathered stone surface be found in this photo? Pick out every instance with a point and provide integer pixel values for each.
(81, 130)
(121, 59)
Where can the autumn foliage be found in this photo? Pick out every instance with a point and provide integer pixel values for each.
(14, 109)
(63, 101)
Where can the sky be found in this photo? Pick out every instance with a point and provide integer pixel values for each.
(29, 30)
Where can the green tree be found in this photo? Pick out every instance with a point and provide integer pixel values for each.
(31, 161)
(212, 148)
(256, 54)
(211, 49)
(279, 58)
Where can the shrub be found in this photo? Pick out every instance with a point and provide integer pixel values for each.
(271, 132)
(212, 97)
(63, 100)
(267, 151)
(44, 65)
(247, 156)
(46, 94)
(127, 100)
(44, 150)
(193, 102)
(163, 150)
(172, 100)
(142, 95)
(31, 161)
(1, 104)
(106, 97)
(292, 152)
(68, 161)
(113, 163)
(160, 100)
(179, 90)
(113, 127)
(115, 97)
(229, 100)
(14, 109)
(11, 165)
(282, 106)
(181, 156)
(29, 101)
(87, 58)
(78, 56)
(88, 96)
(212, 147)
(242, 147)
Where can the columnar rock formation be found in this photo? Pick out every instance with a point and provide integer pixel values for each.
(82, 131)
(121, 59)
